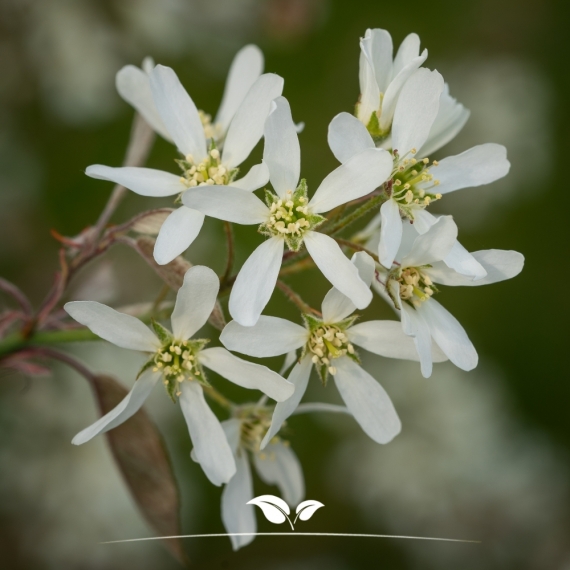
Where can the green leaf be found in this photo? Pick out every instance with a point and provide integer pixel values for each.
(163, 334)
(142, 457)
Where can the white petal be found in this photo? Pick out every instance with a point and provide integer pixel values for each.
(290, 359)
(390, 99)
(378, 49)
(246, 67)
(133, 85)
(237, 515)
(178, 112)
(479, 165)
(255, 282)
(416, 110)
(311, 407)
(120, 329)
(434, 245)
(369, 92)
(270, 336)
(337, 306)
(143, 181)
(278, 465)
(449, 335)
(386, 338)
(211, 448)
(336, 267)
(367, 401)
(390, 232)
(348, 136)
(128, 406)
(299, 377)
(416, 326)
(227, 203)
(176, 234)
(195, 301)
(282, 153)
(232, 428)
(409, 49)
(451, 118)
(246, 127)
(360, 175)
(246, 374)
(257, 177)
(498, 263)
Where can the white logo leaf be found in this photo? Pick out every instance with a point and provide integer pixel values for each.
(306, 509)
(274, 508)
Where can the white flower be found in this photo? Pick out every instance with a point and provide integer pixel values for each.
(328, 344)
(290, 217)
(277, 465)
(179, 360)
(414, 184)
(133, 85)
(410, 284)
(381, 82)
(202, 164)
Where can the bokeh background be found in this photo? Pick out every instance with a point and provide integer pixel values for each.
(482, 455)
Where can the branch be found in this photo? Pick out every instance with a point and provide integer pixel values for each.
(296, 299)
(17, 295)
(358, 213)
(356, 247)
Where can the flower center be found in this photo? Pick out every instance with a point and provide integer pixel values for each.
(178, 361)
(415, 286)
(290, 217)
(255, 421)
(327, 343)
(207, 172)
(412, 182)
(212, 131)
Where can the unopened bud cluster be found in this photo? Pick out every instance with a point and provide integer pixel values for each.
(327, 343)
(209, 171)
(408, 173)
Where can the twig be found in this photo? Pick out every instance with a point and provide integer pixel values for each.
(17, 295)
(296, 299)
(356, 247)
(356, 214)
(62, 357)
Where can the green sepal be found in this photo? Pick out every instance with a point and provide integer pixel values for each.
(373, 127)
(311, 322)
(163, 334)
(148, 364)
(323, 373)
(270, 197)
(346, 323)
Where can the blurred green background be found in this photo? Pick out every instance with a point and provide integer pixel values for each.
(482, 455)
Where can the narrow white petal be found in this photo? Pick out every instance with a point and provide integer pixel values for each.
(246, 127)
(290, 359)
(337, 306)
(378, 49)
(270, 336)
(143, 181)
(178, 112)
(129, 406)
(255, 282)
(282, 152)
(120, 329)
(257, 177)
(278, 465)
(232, 429)
(408, 51)
(133, 85)
(348, 136)
(367, 401)
(392, 94)
(237, 515)
(390, 232)
(416, 326)
(246, 67)
(357, 177)
(194, 301)
(211, 448)
(449, 335)
(386, 338)
(369, 92)
(246, 374)
(416, 110)
(299, 377)
(434, 245)
(499, 265)
(336, 267)
(176, 234)
(311, 407)
(227, 203)
(479, 165)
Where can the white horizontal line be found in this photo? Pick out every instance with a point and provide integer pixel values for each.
(294, 534)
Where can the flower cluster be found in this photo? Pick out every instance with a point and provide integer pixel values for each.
(403, 116)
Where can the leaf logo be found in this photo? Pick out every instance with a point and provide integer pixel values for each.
(277, 511)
